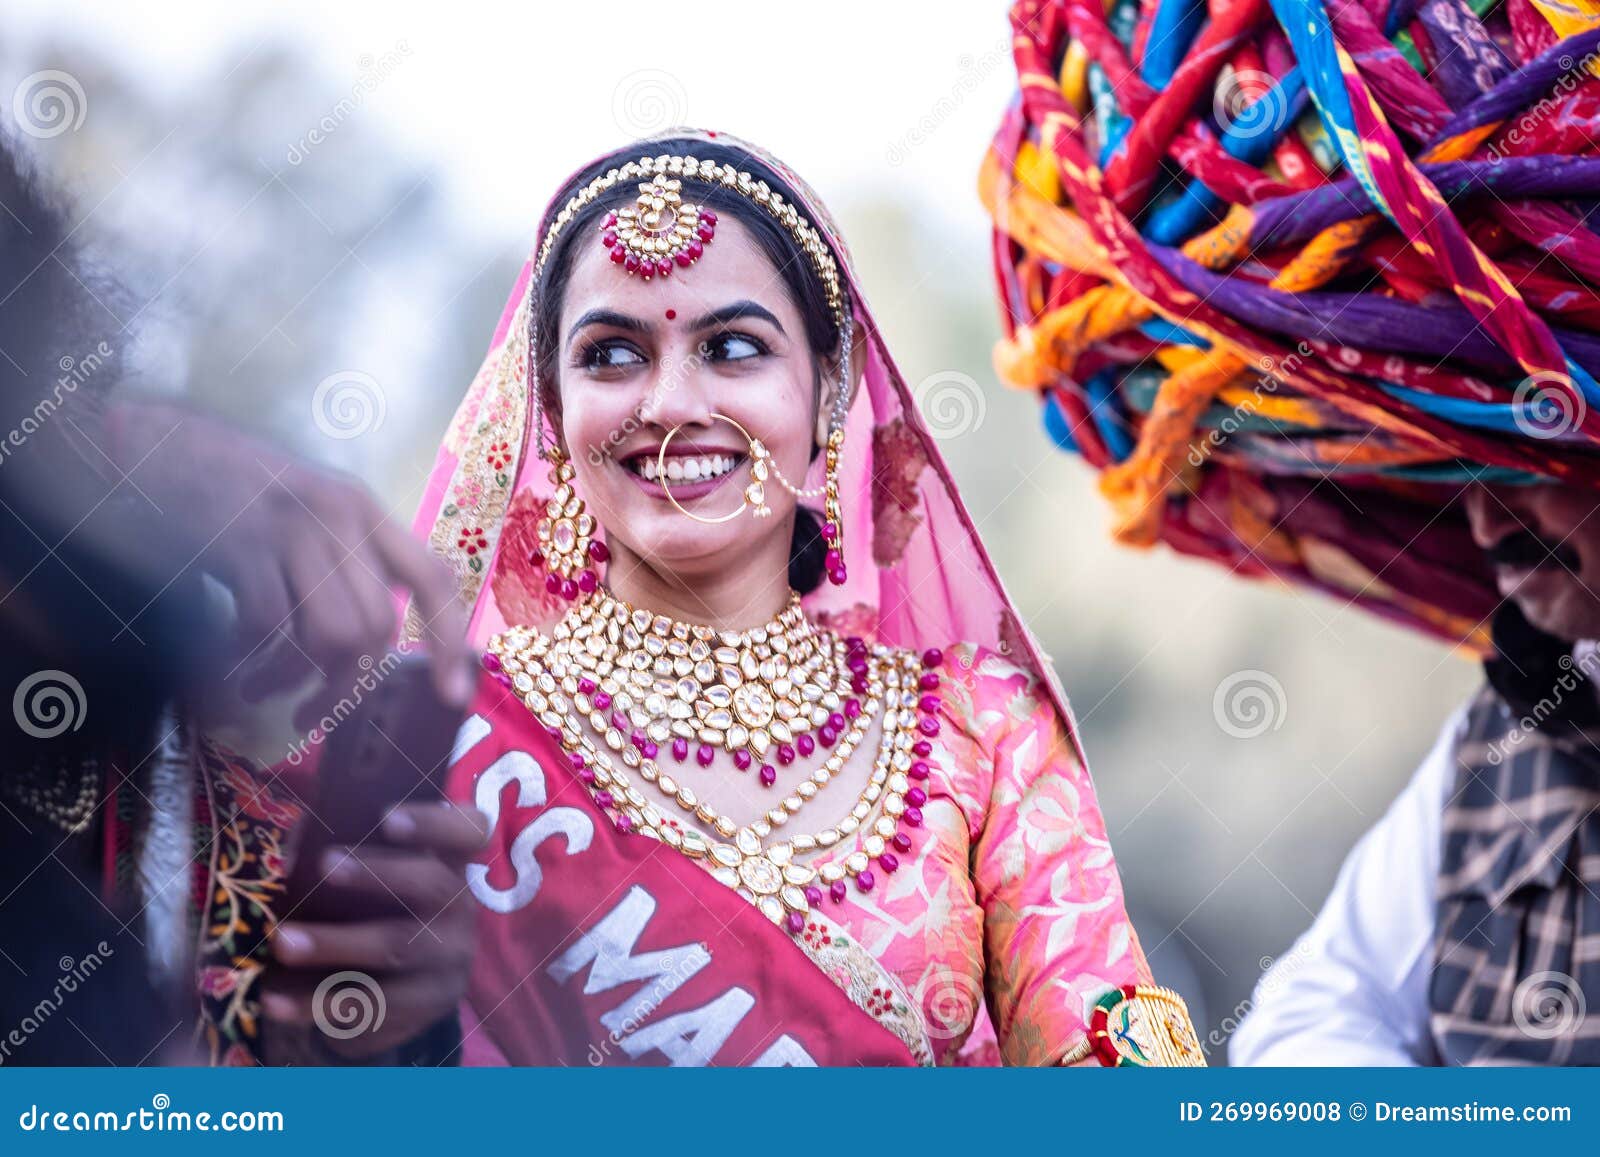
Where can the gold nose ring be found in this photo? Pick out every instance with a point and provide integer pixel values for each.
(754, 494)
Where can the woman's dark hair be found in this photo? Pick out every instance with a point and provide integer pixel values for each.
(808, 549)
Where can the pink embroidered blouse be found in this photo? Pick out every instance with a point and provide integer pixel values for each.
(1005, 922)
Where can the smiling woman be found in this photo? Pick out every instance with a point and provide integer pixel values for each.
(786, 785)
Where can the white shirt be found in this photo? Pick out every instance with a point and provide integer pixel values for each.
(1354, 988)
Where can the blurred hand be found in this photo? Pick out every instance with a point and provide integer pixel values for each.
(413, 938)
(309, 555)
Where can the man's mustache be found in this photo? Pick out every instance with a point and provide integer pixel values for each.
(1525, 550)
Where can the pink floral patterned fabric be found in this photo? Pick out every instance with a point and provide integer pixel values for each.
(1006, 921)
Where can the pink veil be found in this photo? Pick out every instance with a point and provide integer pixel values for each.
(931, 583)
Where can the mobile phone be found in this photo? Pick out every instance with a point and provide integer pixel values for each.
(392, 748)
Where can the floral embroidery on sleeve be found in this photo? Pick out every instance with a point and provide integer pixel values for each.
(1056, 934)
(243, 884)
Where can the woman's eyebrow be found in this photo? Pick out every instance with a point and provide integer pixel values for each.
(607, 317)
(735, 311)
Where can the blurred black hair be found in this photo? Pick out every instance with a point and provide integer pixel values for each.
(90, 582)
(97, 607)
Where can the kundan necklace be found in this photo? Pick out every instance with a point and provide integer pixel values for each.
(590, 667)
(765, 694)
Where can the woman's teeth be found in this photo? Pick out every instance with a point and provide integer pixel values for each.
(685, 469)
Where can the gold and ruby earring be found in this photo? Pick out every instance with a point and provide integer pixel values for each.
(832, 517)
(567, 543)
(764, 467)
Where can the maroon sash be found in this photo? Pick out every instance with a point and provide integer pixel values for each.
(596, 947)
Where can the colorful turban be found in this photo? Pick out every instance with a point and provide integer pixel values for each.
(1292, 274)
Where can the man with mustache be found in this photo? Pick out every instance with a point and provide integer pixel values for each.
(1461, 927)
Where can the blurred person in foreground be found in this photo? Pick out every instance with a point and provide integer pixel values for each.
(150, 556)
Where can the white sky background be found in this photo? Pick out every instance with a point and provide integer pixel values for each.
(510, 98)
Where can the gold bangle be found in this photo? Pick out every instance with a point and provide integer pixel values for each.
(1144, 1025)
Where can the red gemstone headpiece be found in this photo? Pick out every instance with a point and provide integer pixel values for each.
(658, 230)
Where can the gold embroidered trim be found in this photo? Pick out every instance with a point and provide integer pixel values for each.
(870, 986)
(466, 532)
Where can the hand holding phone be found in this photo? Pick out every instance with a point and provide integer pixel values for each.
(392, 749)
(378, 894)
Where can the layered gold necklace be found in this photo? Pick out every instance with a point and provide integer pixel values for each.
(769, 693)
(640, 680)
